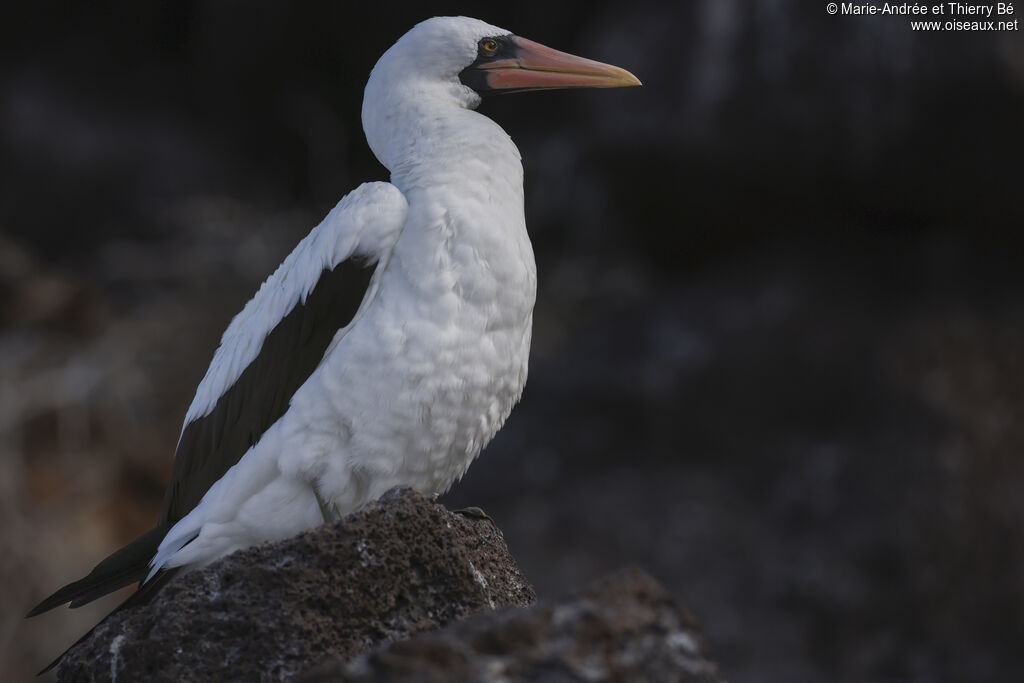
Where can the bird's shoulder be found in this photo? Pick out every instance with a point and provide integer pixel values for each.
(375, 212)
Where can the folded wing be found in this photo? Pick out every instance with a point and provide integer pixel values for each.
(268, 351)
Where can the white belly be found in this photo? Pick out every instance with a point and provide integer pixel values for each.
(405, 398)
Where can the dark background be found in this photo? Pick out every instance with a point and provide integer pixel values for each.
(779, 338)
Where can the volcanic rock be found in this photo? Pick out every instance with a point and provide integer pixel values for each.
(622, 628)
(402, 565)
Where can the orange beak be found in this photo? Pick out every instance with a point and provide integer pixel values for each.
(525, 65)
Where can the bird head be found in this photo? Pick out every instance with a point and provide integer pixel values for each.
(454, 61)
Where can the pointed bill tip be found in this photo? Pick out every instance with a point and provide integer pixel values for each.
(619, 78)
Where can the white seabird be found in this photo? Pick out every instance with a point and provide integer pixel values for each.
(391, 345)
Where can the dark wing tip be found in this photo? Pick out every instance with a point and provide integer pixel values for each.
(51, 664)
(140, 597)
(62, 595)
(128, 565)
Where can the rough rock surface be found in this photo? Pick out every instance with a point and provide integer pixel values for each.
(401, 565)
(622, 628)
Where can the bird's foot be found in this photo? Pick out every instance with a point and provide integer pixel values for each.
(475, 513)
(329, 511)
(472, 511)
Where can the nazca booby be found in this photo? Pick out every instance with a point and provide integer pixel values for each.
(392, 343)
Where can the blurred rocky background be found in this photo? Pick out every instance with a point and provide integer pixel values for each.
(779, 342)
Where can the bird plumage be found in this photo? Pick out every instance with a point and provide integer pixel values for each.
(391, 345)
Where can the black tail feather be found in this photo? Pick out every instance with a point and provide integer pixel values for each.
(128, 565)
(140, 597)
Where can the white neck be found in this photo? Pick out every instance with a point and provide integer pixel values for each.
(462, 176)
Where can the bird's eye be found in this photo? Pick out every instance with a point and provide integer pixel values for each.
(489, 46)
